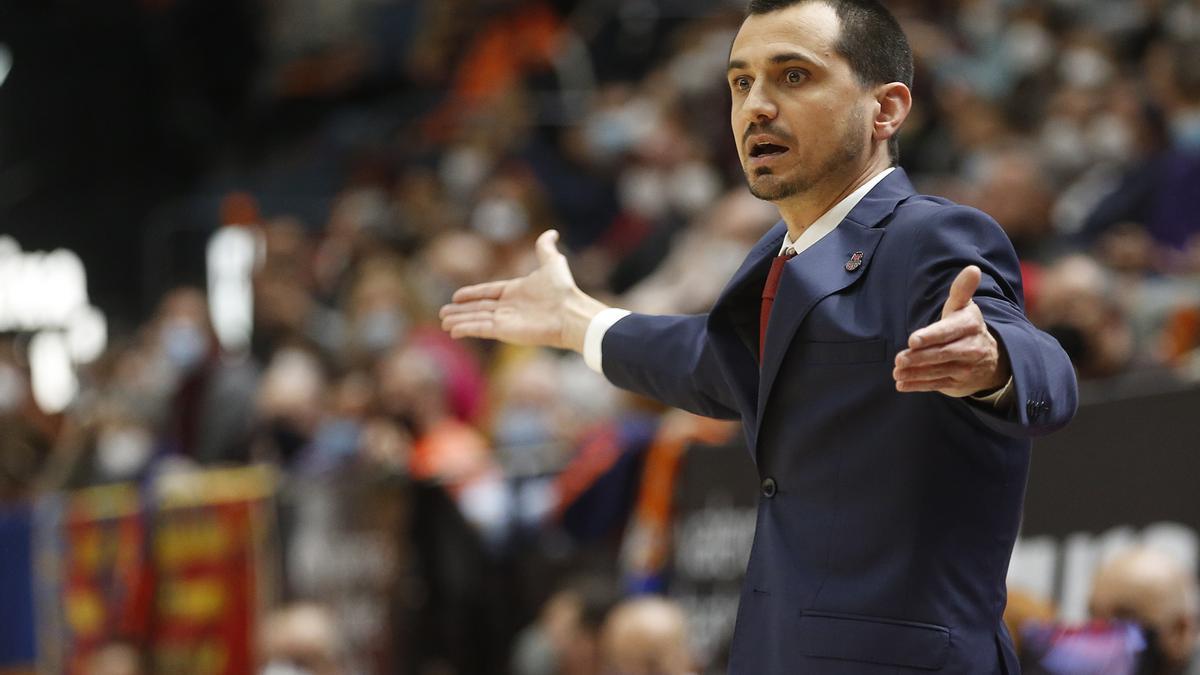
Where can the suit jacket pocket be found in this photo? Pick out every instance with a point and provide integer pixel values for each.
(874, 640)
(859, 351)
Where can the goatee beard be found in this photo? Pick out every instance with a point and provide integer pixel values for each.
(852, 148)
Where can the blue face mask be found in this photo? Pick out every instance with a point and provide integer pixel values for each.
(184, 345)
(379, 330)
(522, 427)
(1185, 130)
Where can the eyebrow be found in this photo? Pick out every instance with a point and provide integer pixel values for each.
(784, 57)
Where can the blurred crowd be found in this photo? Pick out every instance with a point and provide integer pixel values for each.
(1075, 124)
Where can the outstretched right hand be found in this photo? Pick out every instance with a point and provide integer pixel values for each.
(543, 308)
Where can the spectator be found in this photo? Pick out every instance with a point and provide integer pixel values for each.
(1151, 217)
(567, 637)
(1152, 589)
(646, 636)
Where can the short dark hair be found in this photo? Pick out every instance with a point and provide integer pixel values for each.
(871, 40)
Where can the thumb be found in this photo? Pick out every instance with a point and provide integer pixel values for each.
(962, 289)
(546, 249)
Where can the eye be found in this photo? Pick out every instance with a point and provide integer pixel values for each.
(795, 76)
(741, 83)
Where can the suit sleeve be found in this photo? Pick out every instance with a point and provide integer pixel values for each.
(668, 358)
(1046, 392)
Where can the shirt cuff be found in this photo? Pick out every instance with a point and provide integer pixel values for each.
(997, 399)
(594, 336)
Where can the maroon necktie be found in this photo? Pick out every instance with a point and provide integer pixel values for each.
(768, 297)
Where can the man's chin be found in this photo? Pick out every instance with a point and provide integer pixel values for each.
(769, 188)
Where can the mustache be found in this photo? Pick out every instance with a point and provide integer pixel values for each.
(769, 129)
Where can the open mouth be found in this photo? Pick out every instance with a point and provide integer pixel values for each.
(767, 150)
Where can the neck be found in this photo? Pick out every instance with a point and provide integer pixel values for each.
(802, 210)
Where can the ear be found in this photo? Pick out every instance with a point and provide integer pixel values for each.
(894, 100)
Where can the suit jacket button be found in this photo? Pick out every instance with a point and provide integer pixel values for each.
(769, 488)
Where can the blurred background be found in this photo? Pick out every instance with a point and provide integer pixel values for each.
(234, 440)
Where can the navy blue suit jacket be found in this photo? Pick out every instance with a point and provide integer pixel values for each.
(887, 519)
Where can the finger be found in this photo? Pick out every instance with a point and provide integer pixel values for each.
(925, 385)
(967, 350)
(954, 327)
(962, 290)
(547, 251)
(486, 291)
(467, 307)
(479, 329)
(451, 322)
(953, 371)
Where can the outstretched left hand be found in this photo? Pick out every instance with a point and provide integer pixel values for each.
(956, 355)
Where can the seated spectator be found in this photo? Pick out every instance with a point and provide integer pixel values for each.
(1077, 306)
(1152, 589)
(1151, 216)
(566, 638)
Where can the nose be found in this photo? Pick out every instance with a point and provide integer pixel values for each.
(758, 105)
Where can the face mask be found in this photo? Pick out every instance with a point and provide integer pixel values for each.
(184, 345)
(379, 330)
(1185, 130)
(1110, 138)
(1028, 46)
(642, 191)
(500, 219)
(522, 427)
(1084, 67)
(693, 187)
(1063, 144)
(337, 438)
(283, 668)
(121, 452)
(462, 169)
(607, 135)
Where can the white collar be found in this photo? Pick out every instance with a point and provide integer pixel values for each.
(829, 220)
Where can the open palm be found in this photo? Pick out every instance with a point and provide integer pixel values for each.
(543, 308)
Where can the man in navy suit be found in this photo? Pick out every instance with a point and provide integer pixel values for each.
(886, 376)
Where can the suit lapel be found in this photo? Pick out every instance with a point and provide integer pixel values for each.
(733, 322)
(812, 275)
(828, 266)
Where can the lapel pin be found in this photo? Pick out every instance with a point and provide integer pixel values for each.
(855, 261)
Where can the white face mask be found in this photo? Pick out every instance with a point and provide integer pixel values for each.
(283, 668)
(463, 169)
(1084, 67)
(693, 187)
(500, 219)
(184, 344)
(1028, 46)
(122, 451)
(641, 190)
